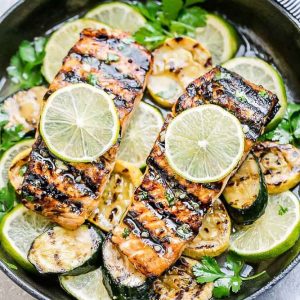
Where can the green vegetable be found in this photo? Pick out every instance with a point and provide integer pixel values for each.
(169, 18)
(7, 199)
(11, 266)
(25, 65)
(126, 233)
(225, 279)
(282, 210)
(288, 130)
(92, 79)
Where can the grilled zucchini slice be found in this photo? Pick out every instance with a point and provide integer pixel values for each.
(121, 279)
(180, 283)
(246, 194)
(62, 251)
(176, 63)
(117, 196)
(214, 234)
(280, 165)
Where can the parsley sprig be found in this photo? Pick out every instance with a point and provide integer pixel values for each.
(168, 18)
(7, 199)
(226, 279)
(25, 65)
(288, 130)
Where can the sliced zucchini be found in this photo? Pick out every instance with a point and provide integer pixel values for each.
(280, 165)
(180, 283)
(87, 286)
(176, 63)
(24, 107)
(121, 279)
(117, 196)
(214, 234)
(246, 194)
(62, 251)
(18, 168)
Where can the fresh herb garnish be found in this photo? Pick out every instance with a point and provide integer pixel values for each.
(92, 79)
(125, 233)
(282, 210)
(168, 18)
(7, 199)
(288, 130)
(170, 197)
(226, 279)
(11, 266)
(22, 170)
(184, 231)
(25, 65)
(143, 195)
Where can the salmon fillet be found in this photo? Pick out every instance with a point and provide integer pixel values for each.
(167, 210)
(68, 192)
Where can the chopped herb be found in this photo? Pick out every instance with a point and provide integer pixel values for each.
(25, 65)
(222, 75)
(11, 266)
(282, 210)
(7, 199)
(29, 198)
(170, 197)
(225, 279)
(92, 79)
(241, 96)
(125, 233)
(112, 58)
(143, 195)
(263, 93)
(288, 130)
(184, 231)
(22, 170)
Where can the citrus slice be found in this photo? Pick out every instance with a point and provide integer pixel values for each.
(87, 286)
(118, 15)
(261, 73)
(79, 123)
(8, 157)
(61, 42)
(219, 37)
(272, 234)
(18, 230)
(204, 144)
(140, 135)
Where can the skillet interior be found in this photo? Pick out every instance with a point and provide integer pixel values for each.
(271, 28)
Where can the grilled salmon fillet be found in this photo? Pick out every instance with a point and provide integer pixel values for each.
(68, 192)
(167, 210)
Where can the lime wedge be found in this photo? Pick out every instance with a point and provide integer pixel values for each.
(8, 157)
(61, 42)
(118, 15)
(219, 37)
(140, 135)
(204, 144)
(261, 73)
(18, 230)
(87, 286)
(79, 123)
(272, 234)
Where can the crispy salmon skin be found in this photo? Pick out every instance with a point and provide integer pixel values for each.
(167, 210)
(68, 192)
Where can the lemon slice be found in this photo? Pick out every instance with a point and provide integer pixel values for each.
(272, 234)
(118, 15)
(204, 144)
(259, 72)
(79, 123)
(219, 37)
(61, 41)
(140, 135)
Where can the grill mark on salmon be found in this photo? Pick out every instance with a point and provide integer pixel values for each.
(180, 218)
(68, 192)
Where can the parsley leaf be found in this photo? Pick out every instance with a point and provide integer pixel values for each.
(25, 65)
(288, 130)
(225, 279)
(282, 210)
(171, 8)
(126, 233)
(192, 2)
(92, 79)
(7, 199)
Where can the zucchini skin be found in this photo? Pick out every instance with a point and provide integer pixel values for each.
(246, 216)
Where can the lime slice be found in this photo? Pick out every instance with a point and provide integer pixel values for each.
(204, 144)
(8, 157)
(274, 233)
(18, 230)
(261, 73)
(219, 37)
(61, 41)
(79, 123)
(118, 15)
(87, 286)
(140, 135)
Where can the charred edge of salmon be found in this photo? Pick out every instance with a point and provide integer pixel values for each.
(68, 192)
(253, 105)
